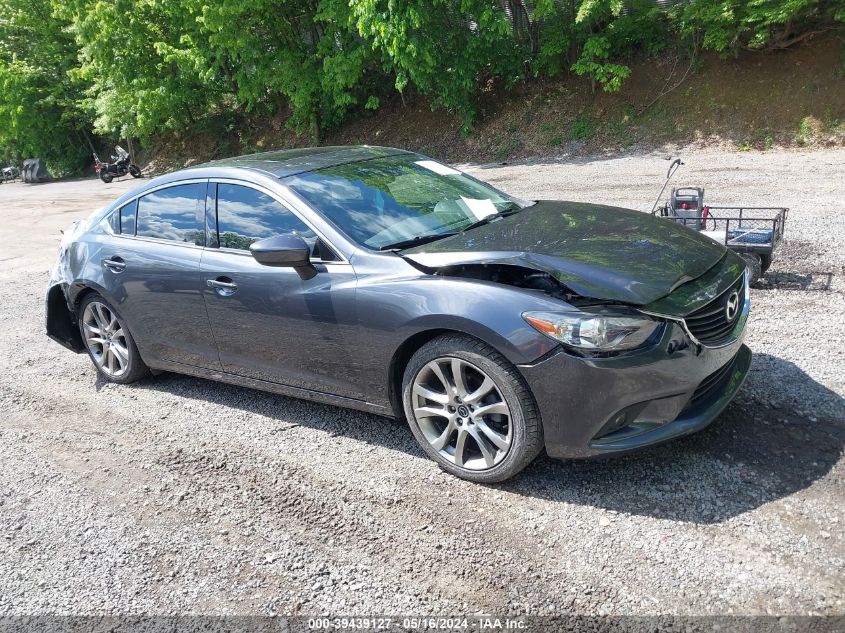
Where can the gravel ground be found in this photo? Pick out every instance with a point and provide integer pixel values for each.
(178, 495)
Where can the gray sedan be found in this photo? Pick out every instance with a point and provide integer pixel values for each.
(382, 280)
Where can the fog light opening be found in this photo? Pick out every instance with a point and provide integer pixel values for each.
(628, 417)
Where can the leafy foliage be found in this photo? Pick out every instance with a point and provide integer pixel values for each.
(142, 62)
(594, 61)
(443, 48)
(728, 25)
(38, 99)
(135, 68)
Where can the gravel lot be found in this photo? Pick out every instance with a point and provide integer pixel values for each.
(177, 495)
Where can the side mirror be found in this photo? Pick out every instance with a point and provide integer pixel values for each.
(287, 250)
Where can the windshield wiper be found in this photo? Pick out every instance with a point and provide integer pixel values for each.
(431, 237)
(415, 241)
(489, 218)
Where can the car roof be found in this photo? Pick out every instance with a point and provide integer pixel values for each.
(255, 167)
(288, 162)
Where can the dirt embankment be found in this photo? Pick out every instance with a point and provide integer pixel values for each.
(792, 98)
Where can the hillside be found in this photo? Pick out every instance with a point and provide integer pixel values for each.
(790, 98)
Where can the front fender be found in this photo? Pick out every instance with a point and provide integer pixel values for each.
(488, 311)
(507, 333)
(396, 315)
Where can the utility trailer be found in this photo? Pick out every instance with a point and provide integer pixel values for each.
(754, 233)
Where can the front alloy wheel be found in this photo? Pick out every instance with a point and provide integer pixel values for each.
(462, 413)
(470, 409)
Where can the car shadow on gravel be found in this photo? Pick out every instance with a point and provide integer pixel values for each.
(762, 448)
(283, 413)
(810, 281)
(766, 445)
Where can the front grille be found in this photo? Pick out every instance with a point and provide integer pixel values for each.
(711, 384)
(710, 324)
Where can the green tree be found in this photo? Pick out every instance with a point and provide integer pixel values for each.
(138, 57)
(41, 112)
(444, 48)
(302, 55)
(730, 25)
(610, 32)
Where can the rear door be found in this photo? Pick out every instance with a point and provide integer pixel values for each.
(152, 270)
(269, 324)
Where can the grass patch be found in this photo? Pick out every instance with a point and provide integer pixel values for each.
(769, 141)
(583, 128)
(807, 129)
(831, 123)
(506, 147)
(621, 127)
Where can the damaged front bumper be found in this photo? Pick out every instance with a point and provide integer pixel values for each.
(601, 406)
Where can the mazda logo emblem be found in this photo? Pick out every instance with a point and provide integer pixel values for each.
(732, 306)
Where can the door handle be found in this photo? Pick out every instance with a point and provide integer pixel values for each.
(223, 286)
(115, 264)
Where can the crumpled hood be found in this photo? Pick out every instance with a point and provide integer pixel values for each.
(601, 252)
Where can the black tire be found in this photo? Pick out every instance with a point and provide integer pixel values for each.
(135, 368)
(524, 418)
(766, 262)
(755, 267)
(106, 177)
(135, 171)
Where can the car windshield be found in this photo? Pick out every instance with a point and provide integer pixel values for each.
(397, 200)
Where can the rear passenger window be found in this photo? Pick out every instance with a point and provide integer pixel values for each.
(113, 220)
(245, 215)
(127, 218)
(175, 214)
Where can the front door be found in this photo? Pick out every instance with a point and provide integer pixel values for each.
(269, 324)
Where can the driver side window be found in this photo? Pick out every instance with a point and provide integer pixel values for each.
(245, 215)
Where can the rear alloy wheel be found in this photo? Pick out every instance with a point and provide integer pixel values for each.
(109, 343)
(470, 410)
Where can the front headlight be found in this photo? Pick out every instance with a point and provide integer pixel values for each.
(594, 330)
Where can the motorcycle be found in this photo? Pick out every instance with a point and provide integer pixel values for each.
(120, 166)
